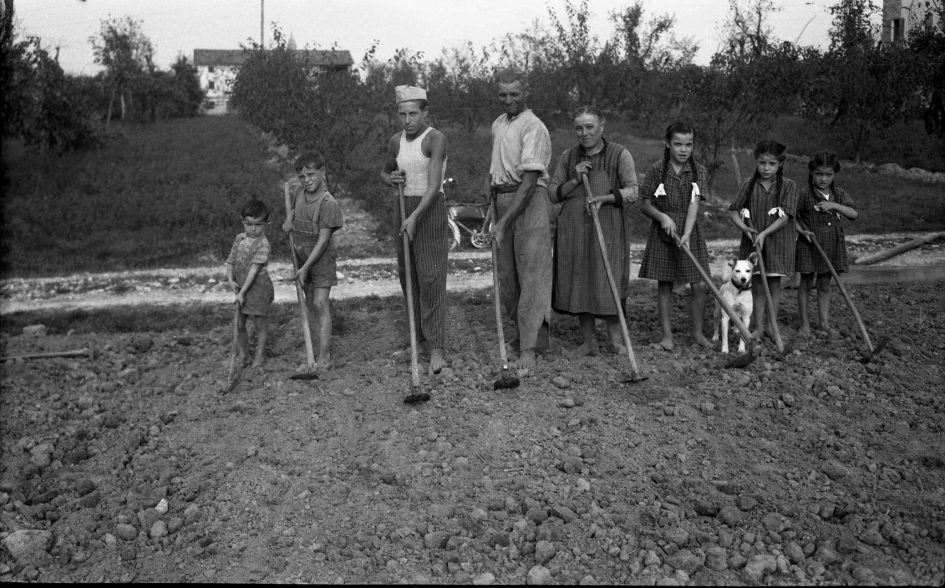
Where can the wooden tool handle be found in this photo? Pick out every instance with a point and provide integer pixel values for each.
(610, 275)
(306, 332)
(843, 290)
(500, 331)
(742, 327)
(408, 274)
(764, 282)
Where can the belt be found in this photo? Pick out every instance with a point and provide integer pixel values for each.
(506, 188)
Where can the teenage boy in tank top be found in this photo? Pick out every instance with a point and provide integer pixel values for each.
(416, 159)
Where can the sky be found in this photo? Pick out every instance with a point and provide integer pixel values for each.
(179, 26)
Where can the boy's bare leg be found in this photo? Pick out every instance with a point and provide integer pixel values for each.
(262, 334)
(322, 314)
(664, 307)
(242, 341)
(697, 313)
(588, 331)
(803, 296)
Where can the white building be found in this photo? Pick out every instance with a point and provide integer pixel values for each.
(902, 16)
(217, 69)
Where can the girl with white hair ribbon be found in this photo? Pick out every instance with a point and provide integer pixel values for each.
(769, 200)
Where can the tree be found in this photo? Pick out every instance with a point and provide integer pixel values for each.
(122, 48)
(747, 83)
(861, 87)
(40, 104)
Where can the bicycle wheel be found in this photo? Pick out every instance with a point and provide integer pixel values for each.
(482, 239)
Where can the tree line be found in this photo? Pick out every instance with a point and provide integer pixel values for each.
(642, 73)
(55, 111)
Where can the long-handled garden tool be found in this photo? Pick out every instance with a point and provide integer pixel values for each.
(775, 330)
(753, 346)
(84, 352)
(415, 394)
(507, 381)
(310, 372)
(846, 296)
(635, 375)
(233, 375)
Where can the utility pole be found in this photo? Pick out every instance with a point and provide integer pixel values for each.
(262, 10)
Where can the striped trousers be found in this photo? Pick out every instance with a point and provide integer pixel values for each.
(429, 253)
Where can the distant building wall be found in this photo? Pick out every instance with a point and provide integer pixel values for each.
(900, 17)
(217, 70)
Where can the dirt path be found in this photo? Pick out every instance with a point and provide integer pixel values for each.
(469, 270)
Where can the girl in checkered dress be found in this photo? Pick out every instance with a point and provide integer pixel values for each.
(820, 209)
(672, 190)
(770, 201)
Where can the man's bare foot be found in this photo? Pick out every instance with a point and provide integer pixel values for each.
(667, 343)
(259, 361)
(700, 340)
(584, 350)
(242, 359)
(757, 335)
(437, 362)
(526, 359)
(323, 363)
(805, 331)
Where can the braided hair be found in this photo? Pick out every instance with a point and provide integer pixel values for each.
(677, 128)
(822, 159)
(775, 149)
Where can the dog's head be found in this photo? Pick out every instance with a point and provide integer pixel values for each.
(742, 271)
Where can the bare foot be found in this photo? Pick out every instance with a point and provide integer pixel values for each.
(526, 359)
(757, 335)
(700, 339)
(805, 331)
(242, 359)
(667, 343)
(323, 363)
(618, 348)
(584, 350)
(259, 361)
(437, 362)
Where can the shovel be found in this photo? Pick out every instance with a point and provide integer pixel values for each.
(310, 373)
(754, 348)
(634, 375)
(846, 296)
(415, 394)
(507, 381)
(775, 330)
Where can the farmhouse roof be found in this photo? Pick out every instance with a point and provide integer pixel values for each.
(222, 57)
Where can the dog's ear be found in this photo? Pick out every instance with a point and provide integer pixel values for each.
(731, 264)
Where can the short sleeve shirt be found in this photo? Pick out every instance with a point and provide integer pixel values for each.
(519, 144)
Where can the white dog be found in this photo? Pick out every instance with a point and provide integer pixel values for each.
(737, 293)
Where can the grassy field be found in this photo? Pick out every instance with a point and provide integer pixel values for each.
(168, 194)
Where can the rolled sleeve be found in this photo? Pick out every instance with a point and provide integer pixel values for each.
(536, 150)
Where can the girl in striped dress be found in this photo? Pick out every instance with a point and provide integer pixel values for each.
(821, 208)
(671, 193)
(770, 200)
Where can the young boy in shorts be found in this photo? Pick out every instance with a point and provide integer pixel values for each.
(312, 217)
(247, 275)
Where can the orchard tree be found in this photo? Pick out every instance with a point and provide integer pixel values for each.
(861, 87)
(122, 48)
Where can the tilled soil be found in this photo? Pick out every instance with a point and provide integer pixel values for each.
(811, 468)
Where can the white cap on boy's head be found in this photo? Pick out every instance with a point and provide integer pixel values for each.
(404, 93)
